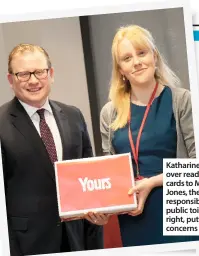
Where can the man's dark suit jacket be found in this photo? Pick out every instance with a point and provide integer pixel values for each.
(32, 209)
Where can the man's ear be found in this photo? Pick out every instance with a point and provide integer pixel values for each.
(10, 79)
(51, 73)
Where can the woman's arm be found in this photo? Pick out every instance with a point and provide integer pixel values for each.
(143, 189)
(186, 123)
(156, 181)
(105, 121)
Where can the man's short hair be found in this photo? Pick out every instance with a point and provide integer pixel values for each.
(21, 48)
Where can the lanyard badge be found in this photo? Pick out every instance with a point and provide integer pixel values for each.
(135, 149)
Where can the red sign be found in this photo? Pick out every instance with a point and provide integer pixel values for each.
(97, 184)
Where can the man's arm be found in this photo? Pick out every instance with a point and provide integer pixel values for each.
(14, 246)
(94, 236)
(86, 144)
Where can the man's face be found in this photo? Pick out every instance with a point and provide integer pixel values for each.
(34, 90)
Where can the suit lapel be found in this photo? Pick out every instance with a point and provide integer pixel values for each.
(64, 128)
(24, 125)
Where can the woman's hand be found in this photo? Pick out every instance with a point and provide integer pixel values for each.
(142, 190)
(97, 218)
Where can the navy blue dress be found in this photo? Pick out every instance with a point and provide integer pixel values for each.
(158, 141)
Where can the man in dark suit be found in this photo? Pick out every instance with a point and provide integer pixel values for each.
(35, 132)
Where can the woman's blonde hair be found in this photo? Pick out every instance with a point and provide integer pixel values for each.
(120, 90)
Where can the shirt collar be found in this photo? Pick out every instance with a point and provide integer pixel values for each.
(32, 110)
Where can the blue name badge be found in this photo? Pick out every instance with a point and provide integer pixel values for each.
(196, 35)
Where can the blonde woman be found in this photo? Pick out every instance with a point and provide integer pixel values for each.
(151, 117)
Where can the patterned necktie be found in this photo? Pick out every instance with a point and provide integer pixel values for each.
(47, 137)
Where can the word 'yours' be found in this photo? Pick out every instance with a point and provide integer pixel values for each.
(95, 184)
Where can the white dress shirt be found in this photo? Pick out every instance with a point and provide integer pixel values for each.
(50, 120)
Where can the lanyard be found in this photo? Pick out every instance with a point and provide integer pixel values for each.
(135, 150)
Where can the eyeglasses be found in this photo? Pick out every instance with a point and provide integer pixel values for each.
(25, 76)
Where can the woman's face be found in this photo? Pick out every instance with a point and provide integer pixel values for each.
(137, 65)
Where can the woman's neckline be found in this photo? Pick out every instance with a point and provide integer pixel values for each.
(144, 106)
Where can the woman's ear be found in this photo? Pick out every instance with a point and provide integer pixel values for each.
(121, 72)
